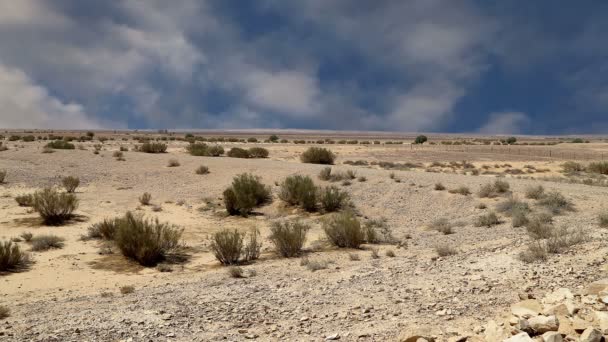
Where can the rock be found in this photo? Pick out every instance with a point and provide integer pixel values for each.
(557, 296)
(542, 324)
(332, 337)
(523, 325)
(591, 335)
(579, 324)
(526, 308)
(601, 317)
(521, 337)
(494, 332)
(552, 336)
(596, 287)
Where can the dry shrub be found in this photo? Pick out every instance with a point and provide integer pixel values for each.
(374, 254)
(173, 163)
(333, 199)
(200, 149)
(118, 154)
(540, 226)
(235, 272)
(325, 173)
(462, 190)
(54, 207)
(237, 152)
(146, 241)
(202, 170)
(519, 218)
(27, 236)
(229, 248)
(105, 229)
(258, 152)
(603, 220)
(378, 231)
(152, 147)
(245, 193)
(314, 265)
(389, 253)
(299, 190)
(598, 167)
(556, 203)
(288, 237)
(535, 192)
(444, 250)
(439, 187)
(145, 198)
(488, 220)
(362, 179)
(512, 204)
(442, 225)
(126, 289)
(12, 258)
(253, 247)
(70, 183)
(572, 167)
(494, 189)
(353, 257)
(563, 238)
(25, 200)
(318, 155)
(60, 145)
(45, 242)
(535, 251)
(344, 230)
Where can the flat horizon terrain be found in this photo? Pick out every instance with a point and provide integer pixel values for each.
(448, 281)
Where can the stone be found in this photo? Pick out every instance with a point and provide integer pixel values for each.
(591, 335)
(542, 324)
(526, 308)
(579, 324)
(601, 318)
(552, 336)
(332, 337)
(494, 332)
(567, 308)
(521, 337)
(557, 296)
(596, 287)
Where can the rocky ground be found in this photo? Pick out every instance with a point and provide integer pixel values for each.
(72, 294)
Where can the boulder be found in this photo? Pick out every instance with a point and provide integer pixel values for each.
(542, 324)
(591, 335)
(521, 337)
(552, 336)
(494, 332)
(601, 318)
(567, 308)
(526, 308)
(557, 296)
(596, 287)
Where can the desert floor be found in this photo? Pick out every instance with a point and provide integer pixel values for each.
(72, 293)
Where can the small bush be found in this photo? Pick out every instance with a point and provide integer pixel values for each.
(463, 190)
(4, 312)
(202, 170)
(258, 152)
(362, 179)
(603, 220)
(318, 155)
(237, 152)
(145, 241)
(378, 231)
(288, 237)
(2, 176)
(501, 186)
(54, 207)
(45, 242)
(598, 167)
(27, 236)
(519, 218)
(25, 200)
(314, 265)
(488, 220)
(215, 151)
(562, 238)
(235, 272)
(540, 226)
(389, 253)
(333, 199)
(253, 247)
(145, 199)
(344, 230)
(439, 187)
(118, 154)
(60, 145)
(555, 202)
(299, 190)
(152, 147)
(12, 258)
(127, 289)
(245, 193)
(492, 190)
(200, 149)
(70, 183)
(105, 229)
(227, 246)
(173, 163)
(572, 167)
(535, 192)
(442, 225)
(444, 250)
(534, 251)
(511, 205)
(325, 173)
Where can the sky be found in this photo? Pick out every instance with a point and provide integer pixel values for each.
(491, 67)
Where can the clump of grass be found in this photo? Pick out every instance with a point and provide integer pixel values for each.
(12, 258)
(512, 204)
(60, 145)
(442, 225)
(202, 170)
(519, 218)
(152, 147)
(173, 163)
(535, 251)
(333, 199)
(488, 220)
(27, 236)
(235, 272)
(288, 237)
(444, 250)
(491, 190)
(344, 230)
(389, 253)
(603, 220)
(229, 248)
(598, 167)
(540, 226)
(318, 155)
(439, 187)
(300, 191)
(374, 253)
(572, 167)
(145, 198)
(70, 183)
(535, 192)
(146, 241)
(462, 190)
(105, 229)
(325, 173)
(200, 149)
(258, 152)
(245, 193)
(237, 152)
(378, 231)
(54, 207)
(45, 242)
(556, 203)
(127, 289)
(314, 265)
(354, 257)
(25, 200)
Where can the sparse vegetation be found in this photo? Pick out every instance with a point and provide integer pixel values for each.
(60, 145)
(511, 205)
(70, 183)
(535, 192)
(152, 147)
(444, 250)
(378, 231)
(300, 191)
(229, 248)
(442, 225)
(487, 220)
(333, 199)
(462, 190)
(572, 167)
(105, 229)
(535, 251)
(245, 193)
(325, 173)
(556, 203)
(439, 187)
(202, 170)
(288, 237)
(26, 200)
(540, 226)
(258, 152)
(12, 258)
(344, 230)
(27, 236)
(318, 155)
(491, 190)
(237, 152)
(54, 207)
(201, 149)
(127, 289)
(45, 242)
(145, 198)
(235, 272)
(598, 167)
(173, 163)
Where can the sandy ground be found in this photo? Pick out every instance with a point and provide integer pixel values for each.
(72, 293)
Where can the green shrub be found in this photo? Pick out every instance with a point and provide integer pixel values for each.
(421, 139)
(45, 242)
(227, 246)
(202, 170)
(105, 229)
(318, 155)
(54, 207)
(237, 152)
(145, 199)
(598, 167)
(333, 199)
(258, 152)
(204, 150)
(12, 258)
(535, 192)
(70, 183)
(60, 145)
(299, 190)
(288, 237)
(344, 230)
(144, 240)
(555, 202)
(488, 220)
(245, 193)
(25, 200)
(152, 147)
